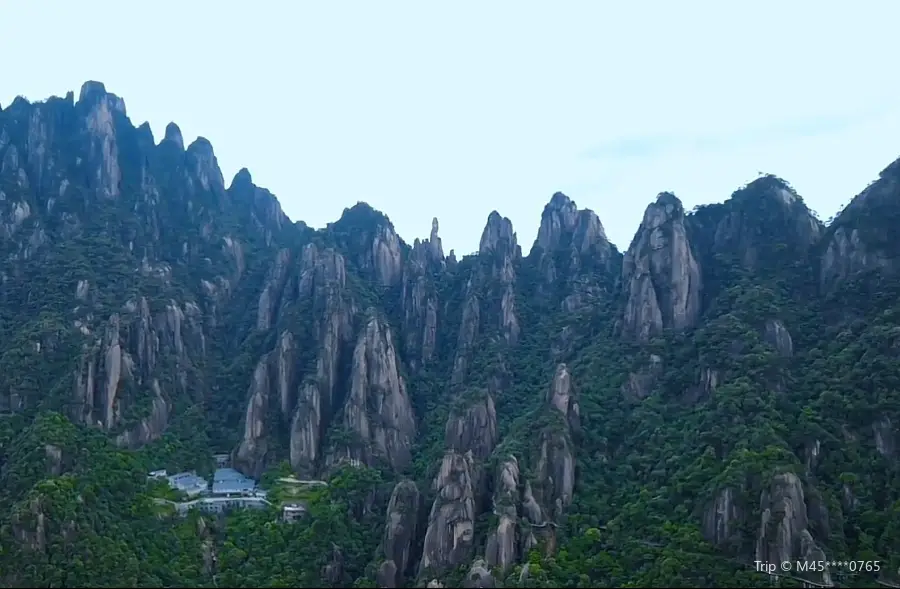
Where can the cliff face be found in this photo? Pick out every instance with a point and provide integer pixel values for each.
(860, 238)
(660, 273)
(513, 405)
(574, 258)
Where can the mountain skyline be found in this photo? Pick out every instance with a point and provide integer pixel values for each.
(723, 390)
(388, 106)
(651, 146)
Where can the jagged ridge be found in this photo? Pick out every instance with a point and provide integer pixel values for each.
(347, 345)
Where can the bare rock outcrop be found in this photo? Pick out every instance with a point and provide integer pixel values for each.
(784, 533)
(264, 210)
(479, 576)
(502, 549)
(419, 299)
(378, 410)
(661, 277)
(722, 518)
(852, 247)
(368, 237)
(435, 248)
(449, 539)
(305, 398)
(528, 509)
(885, 437)
(100, 110)
(470, 437)
(468, 329)
(122, 367)
(473, 428)
(250, 456)
(399, 534)
(552, 486)
(640, 383)
(778, 336)
(499, 240)
(271, 293)
(846, 254)
(498, 236)
(151, 427)
(386, 257)
(322, 279)
(561, 397)
(579, 235)
(765, 206)
(490, 295)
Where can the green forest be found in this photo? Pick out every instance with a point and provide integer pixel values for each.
(721, 397)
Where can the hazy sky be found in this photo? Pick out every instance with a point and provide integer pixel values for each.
(453, 109)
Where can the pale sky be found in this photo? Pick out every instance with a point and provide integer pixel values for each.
(454, 109)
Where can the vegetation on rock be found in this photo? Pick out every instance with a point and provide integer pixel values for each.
(726, 392)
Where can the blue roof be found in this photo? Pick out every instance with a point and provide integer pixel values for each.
(228, 480)
(187, 480)
(228, 474)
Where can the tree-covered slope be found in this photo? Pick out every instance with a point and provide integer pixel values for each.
(720, 394)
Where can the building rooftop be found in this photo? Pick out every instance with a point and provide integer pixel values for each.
(184, 481)
(228, 480)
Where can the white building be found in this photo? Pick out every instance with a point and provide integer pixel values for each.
(189, 483)
(293, 511)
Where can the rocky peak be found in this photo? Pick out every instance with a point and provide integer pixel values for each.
(570, 243)
(884, 190)
(861, 237)
(662, 278)
(498, 235)
(204, 165)
(419, 298)
(94, 93)
(473, 428)
(145, 135)
(671, 203)
(589, 233)
(201, 148)
(427, 253)
(368, 236)
(562, 223)
(98, 110)
(558, 216)
(242, 180)
(173, 135)
(434, 243)
(769, 186)
(265, 209)
(763, 215)
(18, 103)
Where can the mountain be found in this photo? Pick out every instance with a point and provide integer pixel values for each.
(722, 396)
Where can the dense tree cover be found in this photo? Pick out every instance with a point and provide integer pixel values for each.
(724, 409)
(95, 524)
(646, 470)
